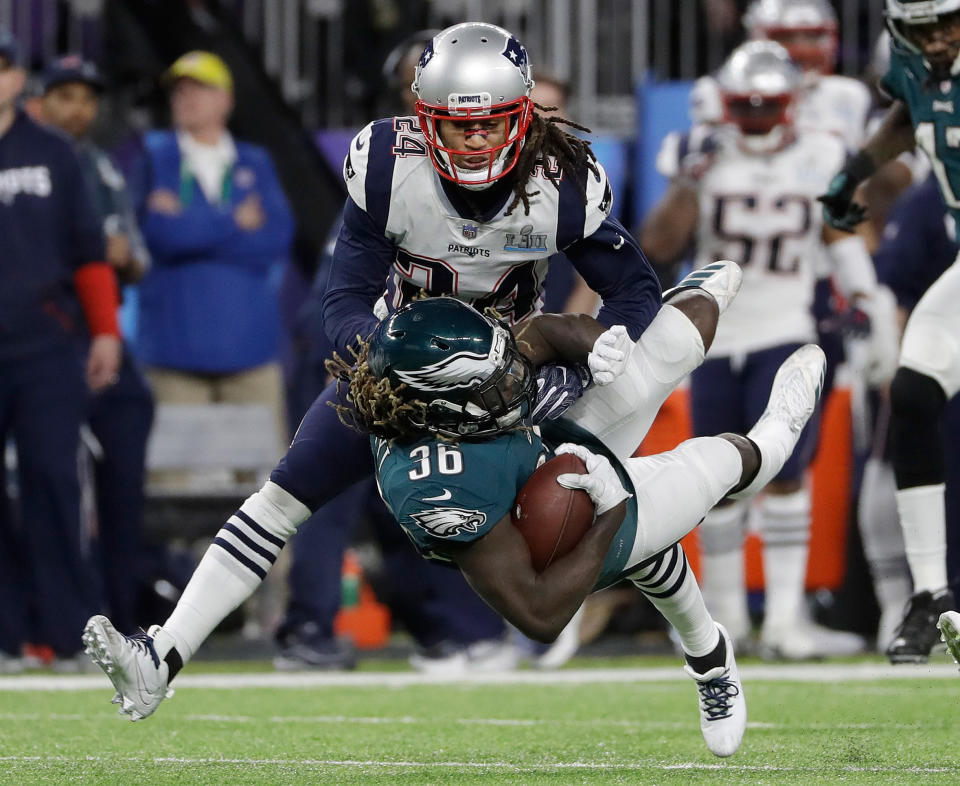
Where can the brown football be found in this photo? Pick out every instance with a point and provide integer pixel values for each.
(551, 518)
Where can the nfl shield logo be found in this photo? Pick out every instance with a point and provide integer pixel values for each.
(469, 231)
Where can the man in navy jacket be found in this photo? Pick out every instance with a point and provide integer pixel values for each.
(53, 280)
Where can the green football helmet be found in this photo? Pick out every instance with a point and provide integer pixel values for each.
(463, 365)
(930, 28)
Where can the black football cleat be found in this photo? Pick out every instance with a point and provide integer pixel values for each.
(918, 632)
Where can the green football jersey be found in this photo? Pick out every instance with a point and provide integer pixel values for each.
(444, 492)
(935, 112)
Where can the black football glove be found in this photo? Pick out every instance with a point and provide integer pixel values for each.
(558, 387)
(839, 209)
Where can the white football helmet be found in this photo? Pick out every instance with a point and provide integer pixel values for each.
(807, 29)
(930, 28)
(759, 86)
(469, 71)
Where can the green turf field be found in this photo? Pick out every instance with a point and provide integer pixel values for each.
(852, 723)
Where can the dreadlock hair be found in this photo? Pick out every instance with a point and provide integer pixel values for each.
(371, 405)
(546, 138)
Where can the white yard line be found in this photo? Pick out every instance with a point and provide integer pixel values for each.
(475, 765)
(814, 672)
(407, 720)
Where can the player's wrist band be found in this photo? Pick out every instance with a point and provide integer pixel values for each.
(860, 167)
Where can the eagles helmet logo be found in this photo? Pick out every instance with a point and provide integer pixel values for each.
(449, 522)
(462, 370)
(458, 371)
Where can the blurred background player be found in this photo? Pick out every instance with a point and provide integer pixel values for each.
(121, 415)
(53, 280)
(925, 47)
(747, 192)
(918, 246)
(830, 103)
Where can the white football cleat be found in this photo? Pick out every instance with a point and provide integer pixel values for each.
(793, 398)
(721, 279)
(131, 663)
(723, 708)
(949, 624)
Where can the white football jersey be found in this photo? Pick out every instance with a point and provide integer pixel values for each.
(501, 262)
(835, 104)
(761, 212)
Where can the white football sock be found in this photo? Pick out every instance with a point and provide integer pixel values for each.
(232, 568)
(883, 545)
(776, 442)
(785, 525)
(923, 519)
(669, 584)
(722, 572)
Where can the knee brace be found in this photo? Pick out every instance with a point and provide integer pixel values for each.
(916, 403)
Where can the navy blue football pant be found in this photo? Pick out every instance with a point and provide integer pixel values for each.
(730, 397)
(47, 586)
(120, 419)
(325, 459)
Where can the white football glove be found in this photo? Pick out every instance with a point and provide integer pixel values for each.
(601, 482)
(610, 355)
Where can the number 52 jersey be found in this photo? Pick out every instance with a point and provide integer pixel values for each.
(760, 210)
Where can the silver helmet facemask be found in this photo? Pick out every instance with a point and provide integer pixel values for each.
(477, 75)
(759, 86)
(807, 29)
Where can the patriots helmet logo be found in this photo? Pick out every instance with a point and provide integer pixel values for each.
(449, 522)
(515, 52)
(426, 56)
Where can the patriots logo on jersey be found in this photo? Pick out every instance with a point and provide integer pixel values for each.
(449, 522)
(459, 371)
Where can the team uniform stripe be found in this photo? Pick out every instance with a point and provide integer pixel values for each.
(228, 537)
(379, 177)
(657, 575)
(243, 560)
(249, 542)
(571, 212)
(676, 585)
(259, 530)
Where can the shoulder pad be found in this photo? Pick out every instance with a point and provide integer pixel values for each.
(355, 165)
(599, 199)
(368, 169)
(704, 102)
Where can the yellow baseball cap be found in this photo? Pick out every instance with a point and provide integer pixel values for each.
(204, 67)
